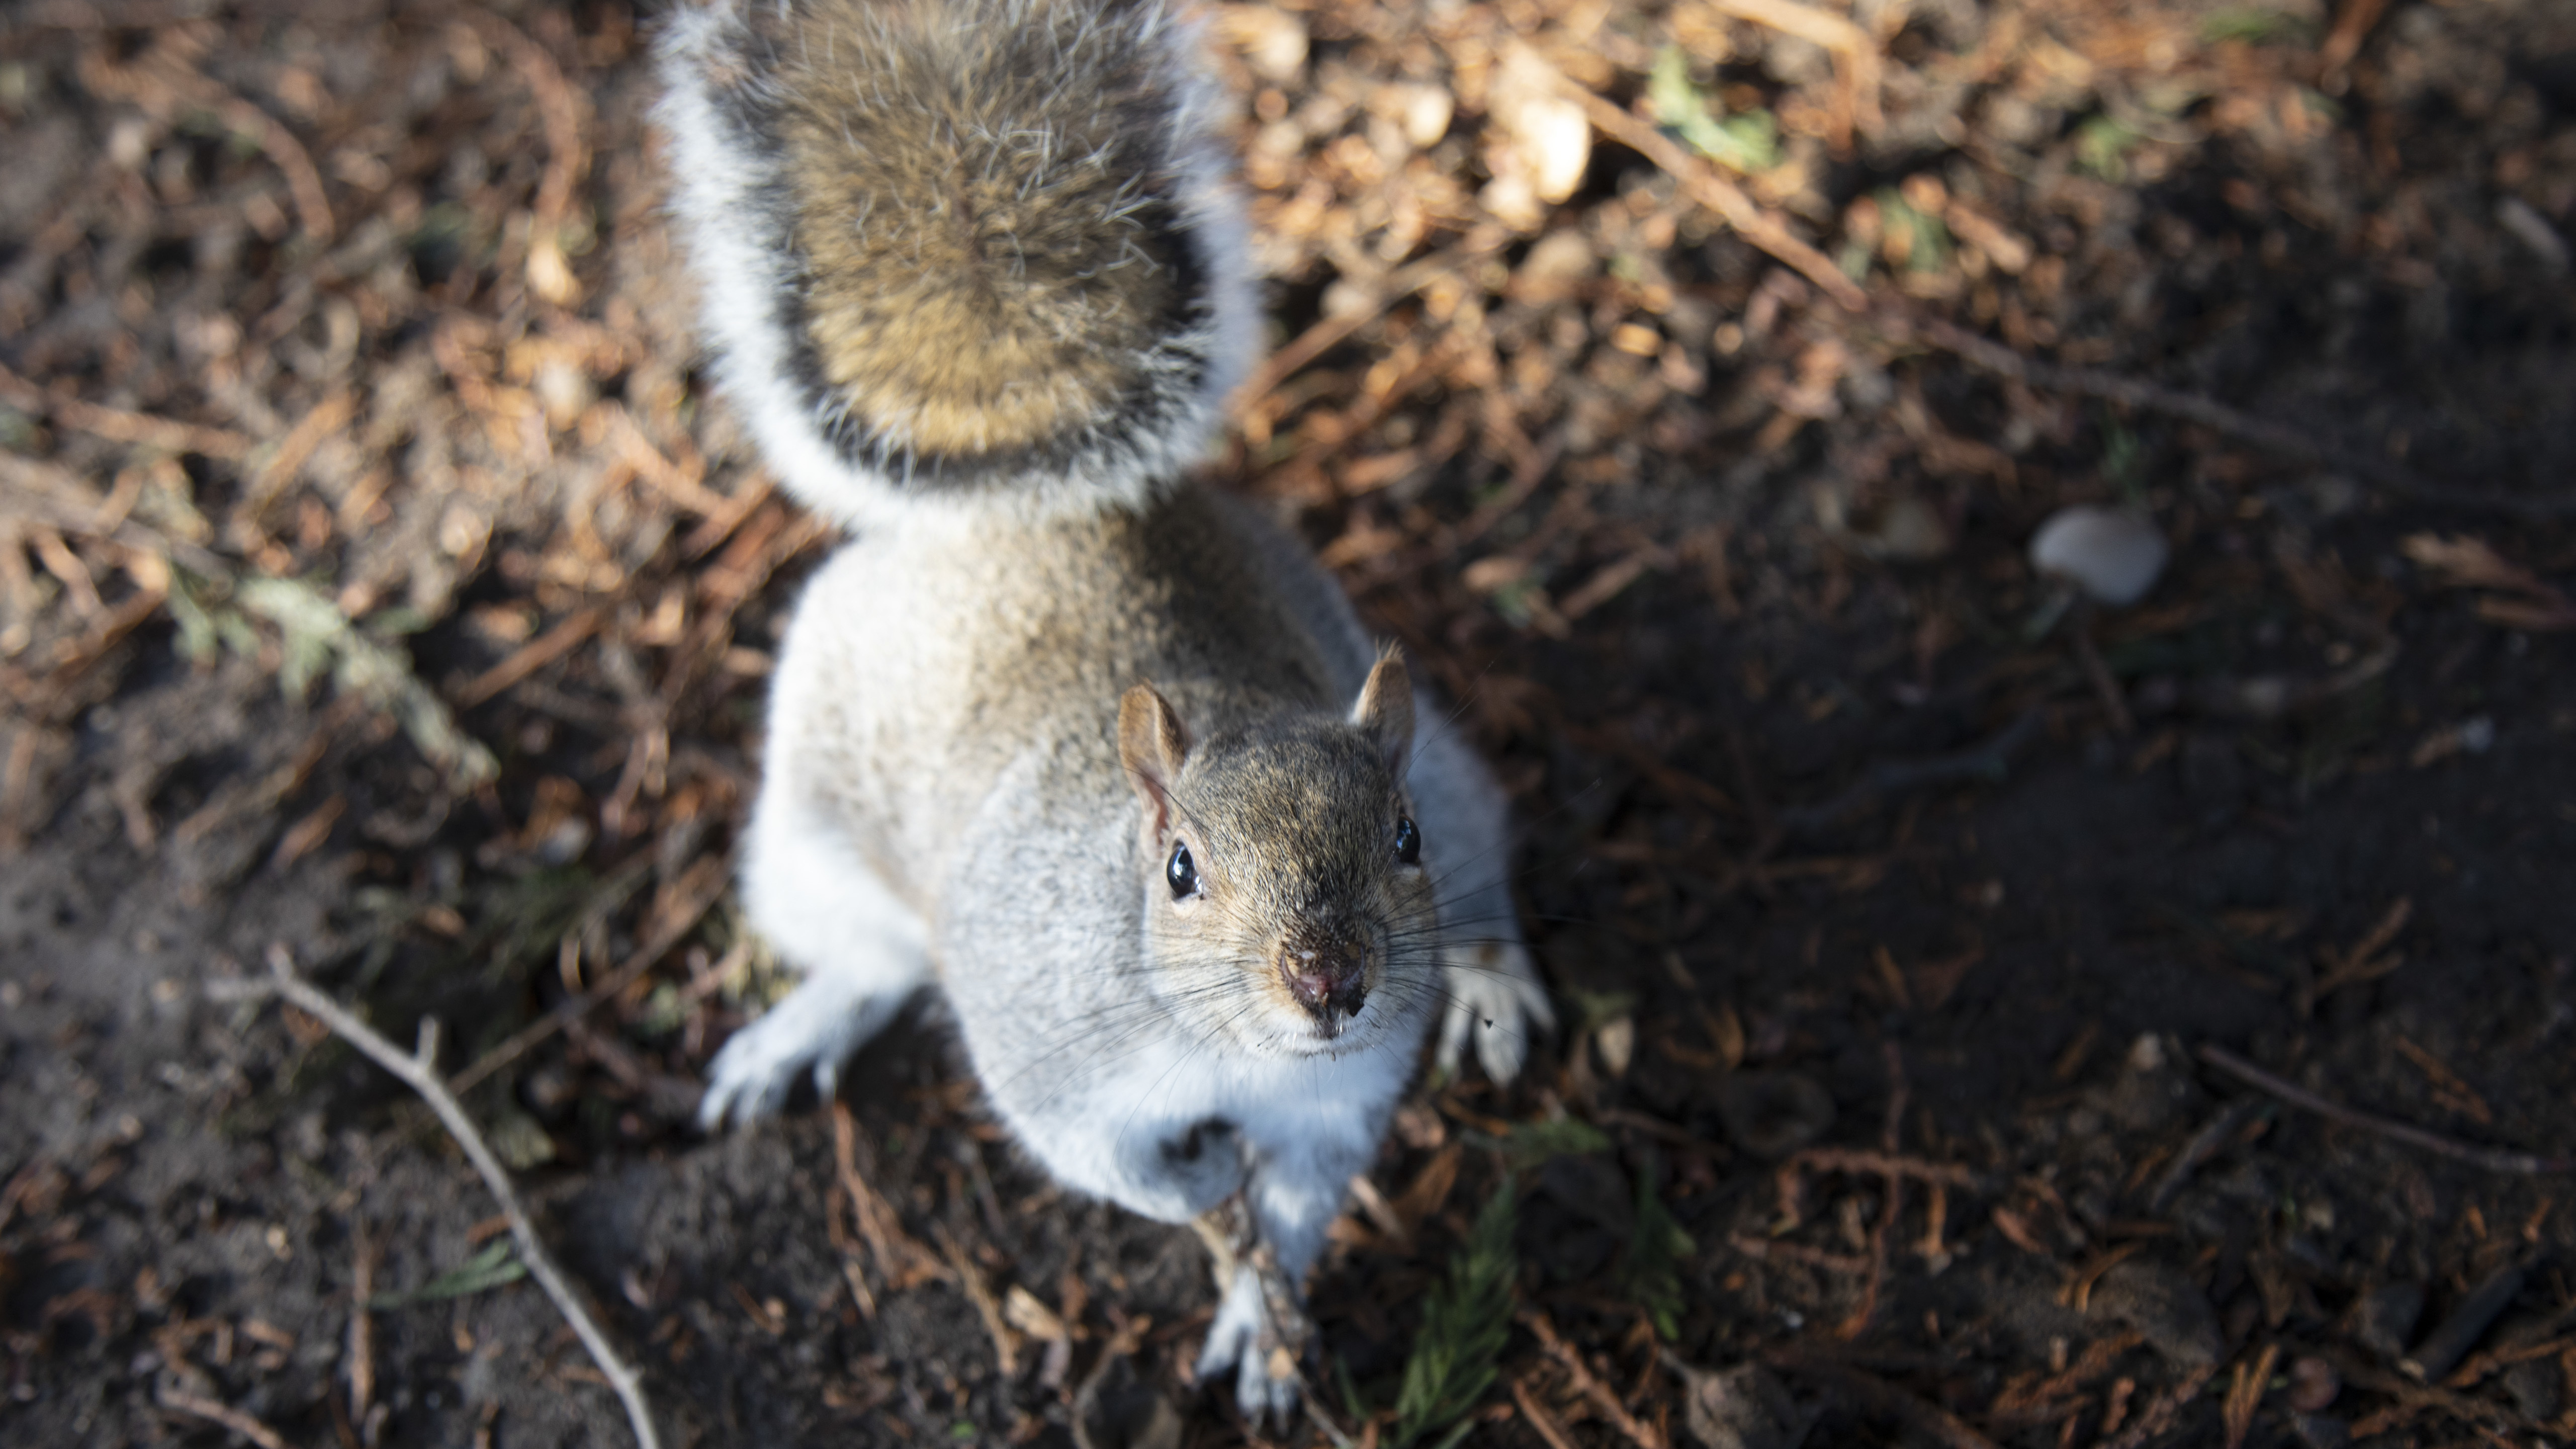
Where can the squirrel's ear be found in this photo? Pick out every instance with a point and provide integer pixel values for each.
(1151, 744)
(1385, 710)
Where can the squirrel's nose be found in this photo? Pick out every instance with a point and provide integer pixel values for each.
(1328, 975)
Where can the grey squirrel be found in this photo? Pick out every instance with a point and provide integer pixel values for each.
(1098, 751)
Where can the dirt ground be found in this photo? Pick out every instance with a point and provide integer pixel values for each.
(380, 585)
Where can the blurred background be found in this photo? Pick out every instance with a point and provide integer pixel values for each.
(1685, 385)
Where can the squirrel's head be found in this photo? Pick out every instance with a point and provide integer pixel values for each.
(961, 248)
(1286, 905)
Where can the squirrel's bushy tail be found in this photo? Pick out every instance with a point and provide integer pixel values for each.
(960, 248)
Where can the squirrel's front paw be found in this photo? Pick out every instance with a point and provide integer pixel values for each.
(811, 1033)
(1243, 1339)
(1496, 998)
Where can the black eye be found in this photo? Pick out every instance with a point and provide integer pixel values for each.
(1408, 842)
(1182, 873)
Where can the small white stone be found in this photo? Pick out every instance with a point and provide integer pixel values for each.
(1550, 139)
(2113, 555)
(1617, 1043)
(1558, 140)
(2147, 1053)
(1427, 112)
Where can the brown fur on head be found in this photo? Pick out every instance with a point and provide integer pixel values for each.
(986, 203)
(1305, 896)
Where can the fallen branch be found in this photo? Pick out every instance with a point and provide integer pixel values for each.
(1764, 228)
(2492, 1159)
(419, 1071)
(2203, 1145)
(215, 1413)
(2219, 418)
(1986, 762)
(1758, 224)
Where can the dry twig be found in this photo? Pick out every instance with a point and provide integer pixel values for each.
(532, 656)
(1603, 1397)
(902, 1261)
(1535, 1414)
(362, 1324)
(2492, 1159)
(1856, 63)
(118, 426)
(2159, 1416)
(231, 1418)
(1006, 1339)
(1889, 1164)
(559, 110)
(1987, 762)
(419, 1070)
(1758, 224)
(2219, 418)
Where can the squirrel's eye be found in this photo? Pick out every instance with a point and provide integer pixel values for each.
(1408, 841)
(1182, 873)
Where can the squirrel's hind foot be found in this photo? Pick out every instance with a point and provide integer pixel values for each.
(1261, 1331)
(1245, 1338)
(811, 1033)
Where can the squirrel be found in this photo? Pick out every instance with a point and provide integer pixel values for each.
(1098, 751)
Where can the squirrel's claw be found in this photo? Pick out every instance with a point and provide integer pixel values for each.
(1495, 998)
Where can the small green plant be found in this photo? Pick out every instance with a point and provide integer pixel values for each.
(1464, 1325)
(1748, 141)
(1931, 246)
(494, 1266)
(1650, 1267)
(2102, 147)
(2124, 460)
(316, 640)
(1513, 601)
(1592, 1008)
(1533, 1143)
(2253, 26)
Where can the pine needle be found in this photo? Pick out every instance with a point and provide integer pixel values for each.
(1464, 1325)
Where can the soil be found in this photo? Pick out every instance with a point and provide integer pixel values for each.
(1902, 922)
